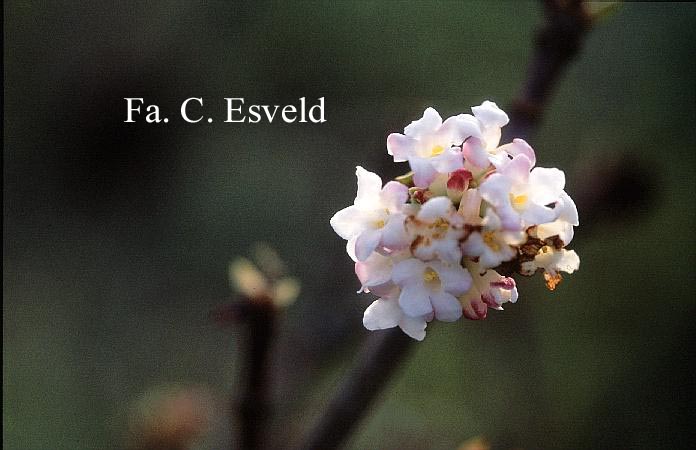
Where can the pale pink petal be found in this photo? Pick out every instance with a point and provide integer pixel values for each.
(394, 235)
(569, 212)
(369, 188)
(474, 245)
(446, 306)
(400, 146)
(374, 271)
(546, 184)
(393, 195)
(518, 169)
(434, 208)
(462, 127)
(427, 124)
(535, 214)
(455, 279)
(475, 152)
(447, 250)
(519, 147)
(408, 271)
(366, 243)
(491, 136)
(423, 171)
(345, 224)
(382, 314)
(490, 114)
(448, 161)
(496, 189)
(415, 301)
(413, 326)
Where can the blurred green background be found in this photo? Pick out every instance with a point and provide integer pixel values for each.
(117, 236)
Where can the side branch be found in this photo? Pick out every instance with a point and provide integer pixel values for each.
(556, 44)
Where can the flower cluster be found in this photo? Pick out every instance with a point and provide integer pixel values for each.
(443, 240)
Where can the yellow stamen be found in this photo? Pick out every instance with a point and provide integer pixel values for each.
(489, 240)
(552, 280)
(379, 224)
(430, 276)
(438, 149)
(518, 201)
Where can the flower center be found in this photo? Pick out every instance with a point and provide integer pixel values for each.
(440, 227)
(518, 201)
(489, 240)
(438, 149)
(431, 277)
(379, 224)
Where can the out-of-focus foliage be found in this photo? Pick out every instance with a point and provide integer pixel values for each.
(117, 238)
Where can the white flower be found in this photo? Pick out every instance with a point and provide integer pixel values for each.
(480, 150)
(385, 312)
(437, 229)
(492, 244)
(552, 261)
(431, 146)
(375, 272)
(375, 219)
(431, 287)
(563, 226)
(506, 152)
(520, 198)
(489, 290)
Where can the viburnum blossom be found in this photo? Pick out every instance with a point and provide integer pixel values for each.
(444, 240)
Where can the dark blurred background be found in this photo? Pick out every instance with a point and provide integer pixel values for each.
(117, 236)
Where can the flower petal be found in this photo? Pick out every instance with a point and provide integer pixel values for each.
(490, 114)
(366, 243)
(517, 169)
(475, 152)
(455, 279)
(448, 161)
(400, 146)
(415, 301)
(434, 208)
(393, 195)
(408, 271)
(446, 306)
(413, 326)
(462, 127)
(345, 224)
(374, 271)
(546, 184)
(519, 147)
(427, 124)
(369, 188)
(394, 235)
(382, 314)
(423, 171)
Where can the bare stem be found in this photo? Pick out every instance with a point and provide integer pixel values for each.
(557, 42)
(252, 408)
(377, 362)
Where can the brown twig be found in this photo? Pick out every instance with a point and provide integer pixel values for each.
(375, 365)
(252, 408)
(557, 42)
